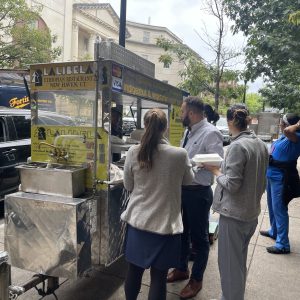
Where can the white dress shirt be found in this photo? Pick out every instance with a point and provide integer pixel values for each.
(204, 138)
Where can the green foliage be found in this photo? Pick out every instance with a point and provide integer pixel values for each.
(232, 93)
(254, 103)
(166, 59)
(282, 96)
(272, 45)
(21, 43)
(197, 78)
(213, 75)
(195, 75)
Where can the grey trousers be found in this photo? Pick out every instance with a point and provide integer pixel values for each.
(234, 238)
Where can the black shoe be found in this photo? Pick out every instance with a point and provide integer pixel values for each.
(275, 250)
(267, 234)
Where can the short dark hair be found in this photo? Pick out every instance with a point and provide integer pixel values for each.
(292, 118)
(194, 104)
(211, 115)
(239, 114)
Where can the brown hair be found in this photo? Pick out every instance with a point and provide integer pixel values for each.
(155, 122)
(239, 114)
(194, 104)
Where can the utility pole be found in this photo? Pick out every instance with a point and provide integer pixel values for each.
(122, 29)
(245, 90)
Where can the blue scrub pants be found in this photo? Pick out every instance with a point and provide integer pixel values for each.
(278, 212)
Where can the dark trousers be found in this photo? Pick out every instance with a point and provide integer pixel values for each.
(133, 282)
(195, 211)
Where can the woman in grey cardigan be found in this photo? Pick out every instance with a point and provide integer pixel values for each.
(154, 172)
(240, 185)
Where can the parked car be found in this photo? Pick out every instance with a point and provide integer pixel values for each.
(223, 127)
(15, 142)
(129, 122)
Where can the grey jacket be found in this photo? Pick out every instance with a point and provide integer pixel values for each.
(155, 200)
(243, 180)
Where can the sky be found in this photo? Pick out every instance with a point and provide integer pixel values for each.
(184, 18)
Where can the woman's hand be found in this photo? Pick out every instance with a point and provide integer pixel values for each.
(214, 169)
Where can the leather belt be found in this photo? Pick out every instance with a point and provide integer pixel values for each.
(195, 187)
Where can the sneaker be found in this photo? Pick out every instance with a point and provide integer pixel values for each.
(275, 250)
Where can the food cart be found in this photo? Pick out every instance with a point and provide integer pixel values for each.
(65, 219)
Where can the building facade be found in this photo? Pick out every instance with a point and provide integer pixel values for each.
(76, 24)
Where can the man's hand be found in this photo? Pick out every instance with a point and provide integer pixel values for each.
(214, 169)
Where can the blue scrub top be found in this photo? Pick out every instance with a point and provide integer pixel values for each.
(283, 150)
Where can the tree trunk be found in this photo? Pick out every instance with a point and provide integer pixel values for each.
(217, 95)
(245, 91)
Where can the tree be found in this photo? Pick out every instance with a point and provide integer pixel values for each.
(195, 75)
(272, 45)
(230, 90)
(199, 76)
(282, 96)
(21, 43)
(254, 102)
(223, 55)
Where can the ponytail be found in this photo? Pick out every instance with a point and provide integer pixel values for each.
(155, 122)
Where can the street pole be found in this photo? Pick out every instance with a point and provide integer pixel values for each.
(245, 90)
(122, 29)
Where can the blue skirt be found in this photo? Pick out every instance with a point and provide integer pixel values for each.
(147, 249)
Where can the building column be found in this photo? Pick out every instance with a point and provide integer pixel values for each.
(67, 54)
(75, 31)
(92, 39)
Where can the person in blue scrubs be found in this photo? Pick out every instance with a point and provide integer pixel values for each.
(283, 180)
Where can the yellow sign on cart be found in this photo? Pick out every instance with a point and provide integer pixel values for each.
(176, 128)
(76, 146)
(63, 76)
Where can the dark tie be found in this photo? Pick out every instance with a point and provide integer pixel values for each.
(186, 138)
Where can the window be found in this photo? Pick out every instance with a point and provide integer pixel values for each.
(146, 37)
(86, 44)
(2, 131)
(22, 125)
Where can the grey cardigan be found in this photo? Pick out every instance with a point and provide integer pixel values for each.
(243, 180)
(155, 200)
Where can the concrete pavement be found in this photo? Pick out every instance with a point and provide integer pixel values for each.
(270, 277)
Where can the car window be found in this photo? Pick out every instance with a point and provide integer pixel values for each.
(2, 131)
(22, 125)
(129, 114)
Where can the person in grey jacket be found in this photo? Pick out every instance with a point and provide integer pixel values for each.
(240, 185)
(154, 172)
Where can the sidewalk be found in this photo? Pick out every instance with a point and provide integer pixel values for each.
(270, 277)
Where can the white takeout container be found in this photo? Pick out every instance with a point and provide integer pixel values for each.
(213, 159)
